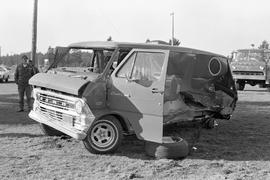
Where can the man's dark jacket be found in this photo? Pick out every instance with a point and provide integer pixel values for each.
(23, 74)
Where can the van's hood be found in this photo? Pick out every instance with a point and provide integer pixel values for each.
(75, 72)
(58, 82)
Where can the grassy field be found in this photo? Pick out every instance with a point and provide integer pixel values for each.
(236, 149)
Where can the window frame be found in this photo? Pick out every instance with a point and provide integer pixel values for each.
(124, 61)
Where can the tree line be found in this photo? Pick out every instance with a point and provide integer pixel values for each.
(14, 59)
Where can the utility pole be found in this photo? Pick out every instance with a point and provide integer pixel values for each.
(34, 33)
(172, 14)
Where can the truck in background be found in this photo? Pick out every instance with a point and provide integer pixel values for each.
(251, 66)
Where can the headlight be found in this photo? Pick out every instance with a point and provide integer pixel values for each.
(233, 67)
(85, 114)
(79, 106)
(261, 67)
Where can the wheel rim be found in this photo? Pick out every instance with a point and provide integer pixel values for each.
(103, 135)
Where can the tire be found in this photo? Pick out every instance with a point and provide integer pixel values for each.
(240, 86)
(170, 148)
(6, 80)
(49, 131)
(104, 136)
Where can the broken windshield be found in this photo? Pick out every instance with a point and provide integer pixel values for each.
(83, 60)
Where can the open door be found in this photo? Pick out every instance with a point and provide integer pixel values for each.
(137, 91)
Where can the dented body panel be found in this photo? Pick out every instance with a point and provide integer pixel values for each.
(144, 86)
(58, 82)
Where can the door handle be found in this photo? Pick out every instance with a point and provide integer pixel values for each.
(155, 90)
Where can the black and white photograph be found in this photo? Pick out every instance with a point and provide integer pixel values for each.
(135, 89)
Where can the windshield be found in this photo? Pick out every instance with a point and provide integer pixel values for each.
(249, 56)
(83, 60)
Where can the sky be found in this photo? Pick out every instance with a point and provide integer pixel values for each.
(219, 26)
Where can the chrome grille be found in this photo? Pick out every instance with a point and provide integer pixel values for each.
(56, 115)
(254, 73)
(56, 102)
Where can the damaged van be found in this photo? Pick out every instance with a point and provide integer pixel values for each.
(98, 91)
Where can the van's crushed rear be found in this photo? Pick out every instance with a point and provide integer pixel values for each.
(198, 86)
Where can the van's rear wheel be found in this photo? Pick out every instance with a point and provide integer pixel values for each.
(49, 131)
(104, 136)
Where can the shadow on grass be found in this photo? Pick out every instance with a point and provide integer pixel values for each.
(8, 111)
(239, 139)
(10, 81)
(235, 141)
(9, 98)
(20, 135)
(133, 148)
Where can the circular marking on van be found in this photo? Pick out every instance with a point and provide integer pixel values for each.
(214, 66)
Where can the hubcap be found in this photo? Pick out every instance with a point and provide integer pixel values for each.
(102, 135)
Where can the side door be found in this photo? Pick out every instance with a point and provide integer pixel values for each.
(137, 91)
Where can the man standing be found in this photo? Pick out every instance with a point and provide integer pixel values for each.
(23, 73)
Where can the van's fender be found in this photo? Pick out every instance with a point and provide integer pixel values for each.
(99, 114)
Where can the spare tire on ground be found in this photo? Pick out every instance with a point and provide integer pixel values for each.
(170, 148)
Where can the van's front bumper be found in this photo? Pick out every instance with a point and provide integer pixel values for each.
(60, 126)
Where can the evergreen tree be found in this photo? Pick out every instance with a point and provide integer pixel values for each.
(176, 42)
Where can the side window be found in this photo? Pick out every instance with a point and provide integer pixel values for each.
(126, 68)
(147, 68)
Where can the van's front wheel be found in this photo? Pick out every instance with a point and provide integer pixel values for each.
(104, 136)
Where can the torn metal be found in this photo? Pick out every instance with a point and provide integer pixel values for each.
(198, 86)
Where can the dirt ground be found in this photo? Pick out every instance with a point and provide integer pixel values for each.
(236, 149)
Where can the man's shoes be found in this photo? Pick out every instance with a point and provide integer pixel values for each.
(20, 110)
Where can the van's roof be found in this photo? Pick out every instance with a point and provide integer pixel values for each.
(128, 45)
